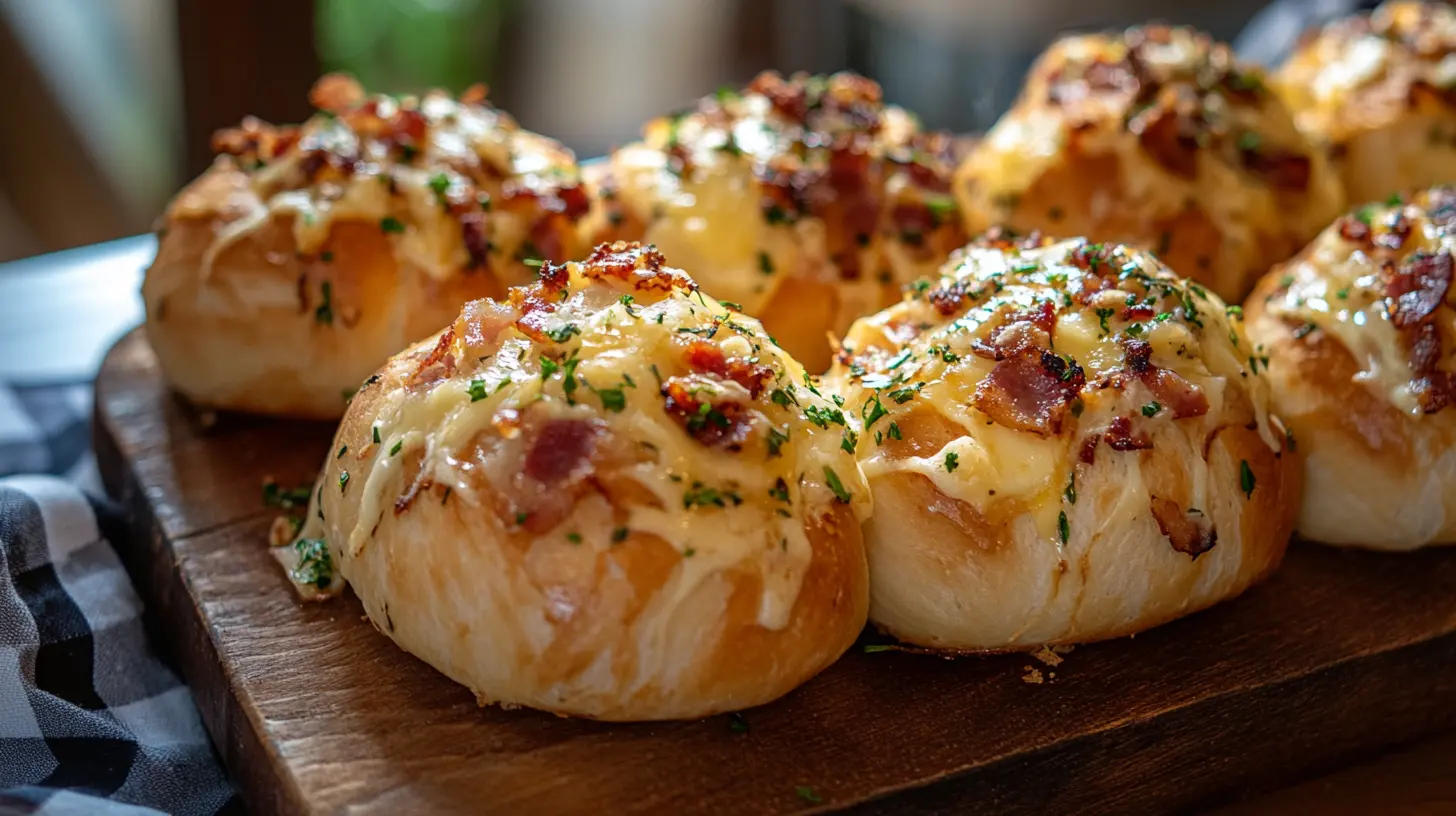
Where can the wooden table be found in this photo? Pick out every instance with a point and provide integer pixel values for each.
(59, 313)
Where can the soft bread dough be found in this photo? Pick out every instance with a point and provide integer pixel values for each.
(607, 496)
(1065, 444)
(1356, 332)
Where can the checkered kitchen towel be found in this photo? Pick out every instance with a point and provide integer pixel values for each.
(90, 720)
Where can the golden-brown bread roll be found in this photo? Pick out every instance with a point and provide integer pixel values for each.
(1379, 91)
(608, 496)
(1357, 335)
(1158, 138)
(305, 256)
(1064, 444)
(807, 200)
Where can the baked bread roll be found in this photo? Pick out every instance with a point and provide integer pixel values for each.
(1379, 91)
(608, 496)
(1064, 444)
(1158, 138)
(807, 200)
(306, 255)
(1357, 335)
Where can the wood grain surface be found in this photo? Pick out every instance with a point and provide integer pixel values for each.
(1341, 654)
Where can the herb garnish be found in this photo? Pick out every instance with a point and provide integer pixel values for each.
(284, 497)
(832, 479)
(315, 566)
(324, 314)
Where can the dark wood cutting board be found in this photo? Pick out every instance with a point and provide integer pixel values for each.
(1339, 655)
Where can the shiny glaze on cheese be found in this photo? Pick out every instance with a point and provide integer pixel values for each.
(917, 359)
(1155, 136)
(1342, 285)
(812, 176)
(456, 184)
(611, 338)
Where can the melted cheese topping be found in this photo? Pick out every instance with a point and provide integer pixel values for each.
(915, 358)
(420, 168)
(1359, 71)
(741, 190)
(1338, 285)
(616, 344)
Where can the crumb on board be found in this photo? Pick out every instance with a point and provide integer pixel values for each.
(1032, 676)
(1048, 656)
(282, 532)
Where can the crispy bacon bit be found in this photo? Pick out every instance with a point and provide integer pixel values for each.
(475, 94)
(1285, 171)
(1139, 311)
(912, 219)
(643, 267)
(534, 310)
(1435, 389)
(1137, 356)
(437, 364)
(336, 93)
(1176, 394)
(571, 202)
(1181, 397)
(788, 98)
(947, 300)
(407, 128)
(1190, 532)
(1043, 315)
(704, 357)
(1030, 391)
(1121, 436)
(477, 246)
(481, 323)
(1354, 230)
(562, 449)
(1088, 454)
(1094, 258)
(724, 424)
(1416, 290)
(1418, 287)
(1170, 138)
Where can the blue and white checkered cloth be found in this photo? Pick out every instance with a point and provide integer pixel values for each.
(91, 721)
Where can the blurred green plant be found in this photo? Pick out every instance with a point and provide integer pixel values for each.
(407, 46)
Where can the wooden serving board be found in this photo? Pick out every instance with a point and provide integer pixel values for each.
(1339, 655)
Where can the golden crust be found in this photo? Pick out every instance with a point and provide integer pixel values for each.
(306, 255)
(1064, 445)
(1357, 335)
(1376, 90)
(593, 549)
(1158, 138)
(802, 187)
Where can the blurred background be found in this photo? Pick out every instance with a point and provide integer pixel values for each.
(108, 105)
